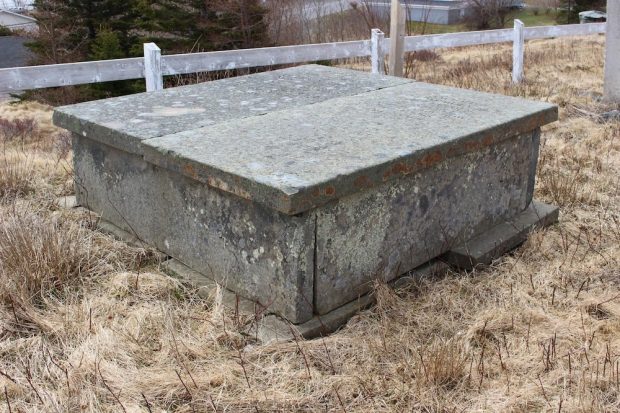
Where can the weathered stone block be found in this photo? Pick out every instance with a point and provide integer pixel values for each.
(344, 177)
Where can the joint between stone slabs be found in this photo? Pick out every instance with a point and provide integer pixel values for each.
(268, 327)
(273, 328)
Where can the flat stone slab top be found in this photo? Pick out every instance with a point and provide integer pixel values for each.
(299, 187)
(299, 138)
(124, 121)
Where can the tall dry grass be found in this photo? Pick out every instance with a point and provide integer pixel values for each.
(539, 330)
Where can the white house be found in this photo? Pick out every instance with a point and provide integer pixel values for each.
(16, 21)
(431, 11)
(16, 5)
(435, 11)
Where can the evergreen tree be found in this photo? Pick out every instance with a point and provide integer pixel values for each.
(106, 46)
(68, 28)
(78, 30)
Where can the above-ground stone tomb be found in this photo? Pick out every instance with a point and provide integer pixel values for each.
(297, 188)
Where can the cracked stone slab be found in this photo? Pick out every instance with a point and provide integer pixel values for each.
(502, 238)
(125, 121)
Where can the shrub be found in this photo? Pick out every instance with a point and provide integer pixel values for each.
(5, 31)
(21, 130)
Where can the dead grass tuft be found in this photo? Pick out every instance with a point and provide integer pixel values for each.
(443, 364)
(43, 257)
(20, 130)
(16, 174)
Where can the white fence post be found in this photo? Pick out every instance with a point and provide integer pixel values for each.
(377, 56)
(152, 67)
(518, 51)
(612, 53)
(398, 20)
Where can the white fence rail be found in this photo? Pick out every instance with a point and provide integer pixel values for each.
(154, 66)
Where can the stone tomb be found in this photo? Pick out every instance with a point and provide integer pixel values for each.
(297, 188)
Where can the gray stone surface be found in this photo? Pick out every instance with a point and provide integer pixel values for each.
(255, 251)
(300, 209)
(498, 240)
(273, 328)
(67, 202)
(386, 230)
(300, 158)
(124, 121)
(210, 289)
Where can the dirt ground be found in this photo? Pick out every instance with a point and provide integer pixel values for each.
(90, 324)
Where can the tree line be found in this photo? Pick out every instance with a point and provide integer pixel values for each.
(74, 30)
(83, 30)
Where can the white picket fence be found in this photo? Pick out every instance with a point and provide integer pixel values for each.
(153, 66)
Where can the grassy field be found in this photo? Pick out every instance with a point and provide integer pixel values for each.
(529, 16)
(90, 324)
(533, 17)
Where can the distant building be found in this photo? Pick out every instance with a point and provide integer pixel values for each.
(17, 21)
(16, 5)
(435, 11)
(431, 11)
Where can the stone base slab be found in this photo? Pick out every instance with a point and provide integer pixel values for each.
(269, 327)
(492, 244)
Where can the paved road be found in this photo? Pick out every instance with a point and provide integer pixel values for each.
(13, 53)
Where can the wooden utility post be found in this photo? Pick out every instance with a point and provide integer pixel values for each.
(398, 20)
(612, 54)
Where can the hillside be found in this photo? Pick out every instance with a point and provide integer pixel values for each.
(90, 324)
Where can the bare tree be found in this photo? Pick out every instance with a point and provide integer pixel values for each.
(488, 14)
(318, 21)
(249, 18)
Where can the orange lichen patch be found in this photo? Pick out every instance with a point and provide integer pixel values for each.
(190, 171)
(430, 159)
(330, 191)
(400, 168)
(216, 182)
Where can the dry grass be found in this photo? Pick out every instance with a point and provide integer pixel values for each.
(537, 331)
